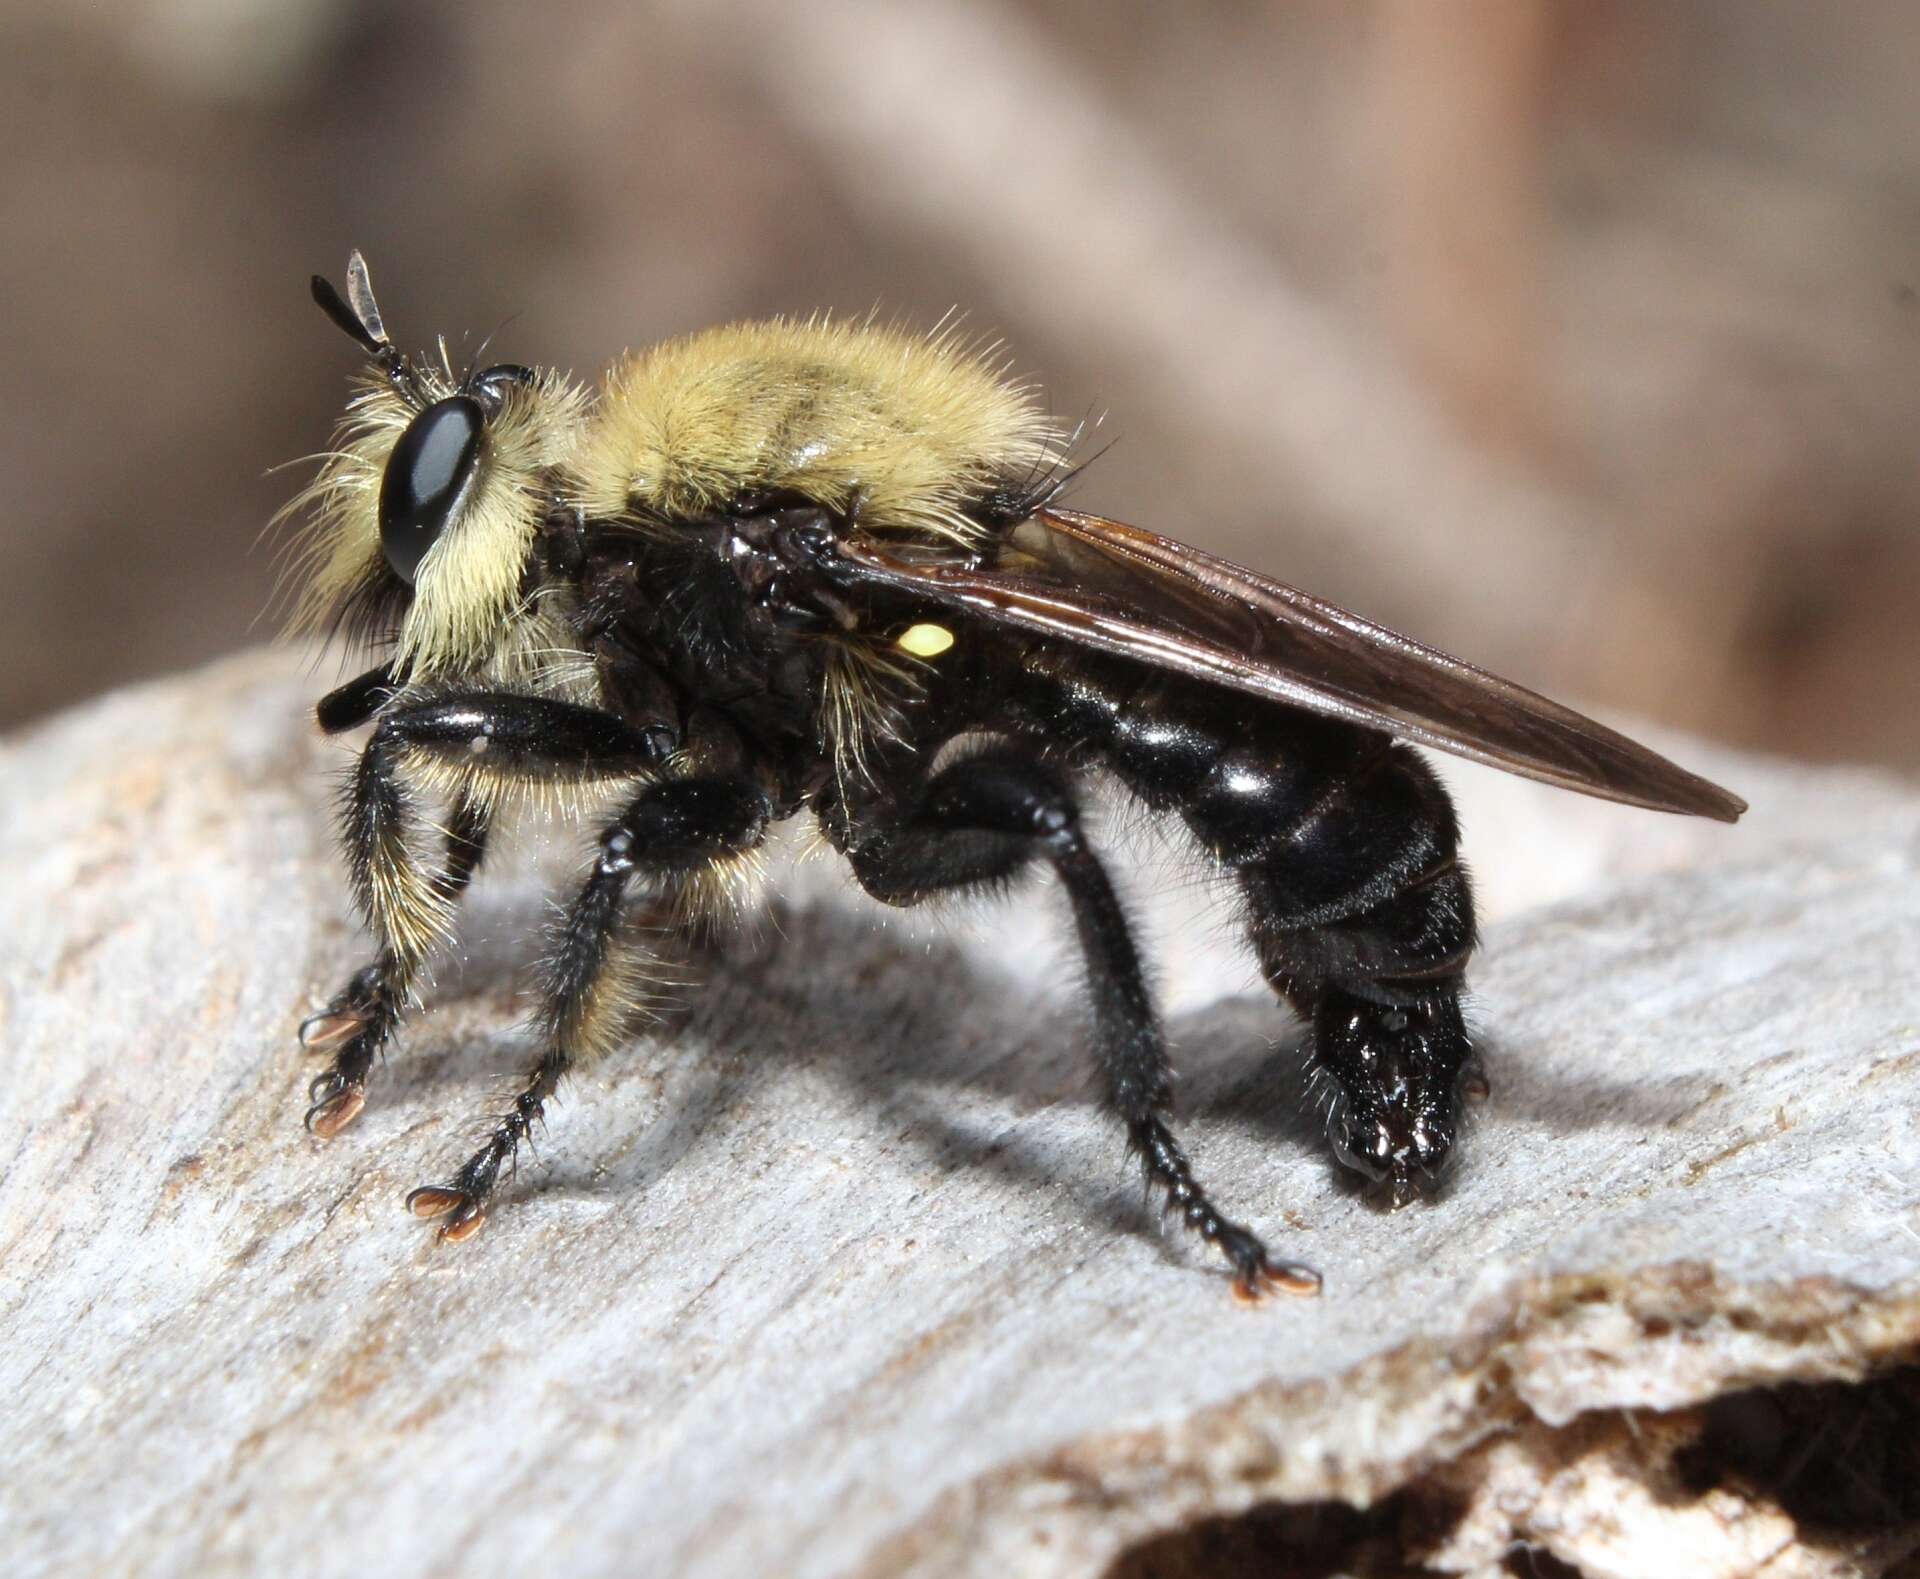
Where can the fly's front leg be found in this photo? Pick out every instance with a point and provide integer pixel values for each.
(363, 1016)
(977, 823)
(596, 979)
(476, 747)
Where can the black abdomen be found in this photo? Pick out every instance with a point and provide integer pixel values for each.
(1344, 843)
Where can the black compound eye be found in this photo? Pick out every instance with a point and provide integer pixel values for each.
(426, 476)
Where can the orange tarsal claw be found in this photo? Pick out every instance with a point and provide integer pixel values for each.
(327, 1118)
(1284, 1278)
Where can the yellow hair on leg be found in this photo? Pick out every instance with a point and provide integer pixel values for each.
(407, 908)
(624, 991)
(719, 896)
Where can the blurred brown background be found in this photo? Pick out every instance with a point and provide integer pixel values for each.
(1583, 341)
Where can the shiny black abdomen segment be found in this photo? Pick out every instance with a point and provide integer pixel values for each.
(1344, 844)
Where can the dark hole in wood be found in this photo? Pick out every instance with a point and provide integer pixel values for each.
(1834, 1455)
(1317, 1540)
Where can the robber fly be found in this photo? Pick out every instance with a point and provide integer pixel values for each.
(774, 570)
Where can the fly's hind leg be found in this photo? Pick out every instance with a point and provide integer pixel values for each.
(596, 980)
(979, 822)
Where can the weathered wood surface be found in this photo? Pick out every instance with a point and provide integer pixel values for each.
(844, 1274)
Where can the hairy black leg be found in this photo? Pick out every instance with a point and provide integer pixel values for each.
(596, 978)
(363, 1016)
(1345, 849)
(475, 746)
(977, 822)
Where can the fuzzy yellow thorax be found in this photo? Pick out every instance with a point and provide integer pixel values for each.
(903, 430)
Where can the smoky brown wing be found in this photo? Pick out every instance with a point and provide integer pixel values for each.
(1118, 589)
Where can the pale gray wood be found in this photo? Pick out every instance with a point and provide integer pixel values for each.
(846, 1273)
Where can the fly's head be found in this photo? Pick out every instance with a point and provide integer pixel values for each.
(426, 512)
